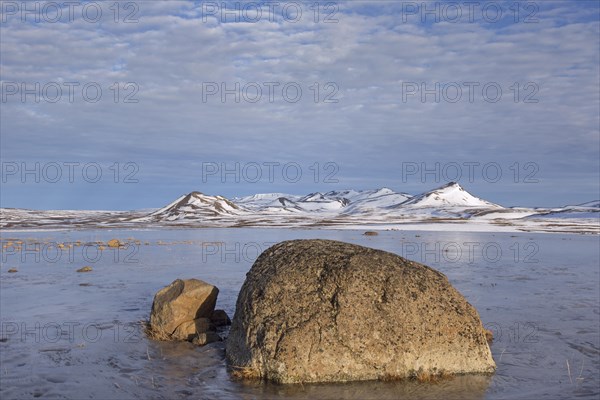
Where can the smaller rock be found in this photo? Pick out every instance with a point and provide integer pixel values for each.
(220, 318)
(114, 243)
(12, 270)
(185, 331)
(205, 338)
(183, 301)
(189, 329)
(87, 268)
(370, 233)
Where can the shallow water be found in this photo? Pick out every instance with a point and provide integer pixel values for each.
(65, 334)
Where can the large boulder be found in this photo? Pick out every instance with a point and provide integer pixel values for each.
(322, 310)
(182, 309)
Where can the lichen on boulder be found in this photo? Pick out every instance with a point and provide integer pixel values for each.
(325, 311)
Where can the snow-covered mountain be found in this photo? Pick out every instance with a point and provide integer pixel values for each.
(195, 205)
(346, 201)
(587, 210)
(378, 202)
(369, 201)
(449, 195)
(321, 202)
(262, 199)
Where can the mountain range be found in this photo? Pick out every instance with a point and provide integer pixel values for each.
(451, 198)
(447, 207)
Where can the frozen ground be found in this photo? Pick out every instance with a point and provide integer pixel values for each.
(65, 334)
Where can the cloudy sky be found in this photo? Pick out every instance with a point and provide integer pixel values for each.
(128, 105)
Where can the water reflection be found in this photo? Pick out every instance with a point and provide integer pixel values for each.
(469, 387)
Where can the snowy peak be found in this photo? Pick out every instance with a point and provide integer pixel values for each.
(449, 195)
(197, 204)
(355, 195)
(319, 202)
(383, 191)
(261, 198)
(351, 201)
(348, 194)
(317, 196)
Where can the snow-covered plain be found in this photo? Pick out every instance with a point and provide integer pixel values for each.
(449, 207)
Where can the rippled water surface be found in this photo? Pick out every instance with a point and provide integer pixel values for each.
(65, 334)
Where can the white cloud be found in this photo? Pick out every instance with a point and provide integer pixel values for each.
(369, 54)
